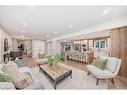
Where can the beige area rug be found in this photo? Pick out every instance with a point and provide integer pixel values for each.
(79, 80)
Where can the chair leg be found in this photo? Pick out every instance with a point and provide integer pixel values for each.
(97, 81)
(112, 80)
(88, 73)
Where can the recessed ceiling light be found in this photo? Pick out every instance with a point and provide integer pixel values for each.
(23, 22)
(23, 31)
(70, 26)
(106, 11)
(55, 33)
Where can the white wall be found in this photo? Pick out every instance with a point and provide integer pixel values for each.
(3, 35)
(0, 45)
(49, 48)
(36, 46)
(14, 44)
(53, 47)
(29, 46)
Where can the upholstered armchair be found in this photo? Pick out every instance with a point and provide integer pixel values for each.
(110, 72)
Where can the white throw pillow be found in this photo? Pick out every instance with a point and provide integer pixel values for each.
(10, 67)
(21, 80)
(112, 64)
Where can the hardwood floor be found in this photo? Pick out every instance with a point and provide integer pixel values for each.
(120, 82)
(31, 61)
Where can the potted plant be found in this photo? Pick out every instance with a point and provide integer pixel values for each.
(54, 60)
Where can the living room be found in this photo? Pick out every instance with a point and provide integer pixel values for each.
(59, 44)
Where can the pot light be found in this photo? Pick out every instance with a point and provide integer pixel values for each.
(23, 31)
(70, 26)
(55, 33)
(106, 11)
(24, 23)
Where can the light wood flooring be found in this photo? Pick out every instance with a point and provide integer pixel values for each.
(120, 82)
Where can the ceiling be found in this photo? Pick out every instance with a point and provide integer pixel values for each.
(48, 22)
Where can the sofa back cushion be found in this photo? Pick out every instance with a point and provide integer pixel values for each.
(10, 67)
(111, 63)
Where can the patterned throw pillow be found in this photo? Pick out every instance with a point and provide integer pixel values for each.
(5, 78)
(101, 63)
(21, 80)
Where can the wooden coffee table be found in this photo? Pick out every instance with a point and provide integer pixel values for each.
(56, 74)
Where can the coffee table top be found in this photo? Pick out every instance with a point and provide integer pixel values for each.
(54, 72)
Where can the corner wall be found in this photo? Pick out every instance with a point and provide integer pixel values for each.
(3, 35)
(38, 45)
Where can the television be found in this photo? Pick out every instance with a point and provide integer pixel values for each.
(16, 54)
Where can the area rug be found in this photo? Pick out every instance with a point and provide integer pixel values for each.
(79, 80)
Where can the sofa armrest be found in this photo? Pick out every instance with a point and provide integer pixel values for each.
(6, 85)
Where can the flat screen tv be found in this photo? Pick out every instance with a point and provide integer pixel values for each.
(15, 54)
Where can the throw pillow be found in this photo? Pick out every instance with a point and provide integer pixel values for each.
(21, 80)
(5, 78)
(41, 56)
(101, 63)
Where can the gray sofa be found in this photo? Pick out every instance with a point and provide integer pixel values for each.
(37, 84)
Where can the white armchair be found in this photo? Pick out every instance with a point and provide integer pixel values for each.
(111, 71)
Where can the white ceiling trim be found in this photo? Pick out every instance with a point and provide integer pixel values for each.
(105, 26)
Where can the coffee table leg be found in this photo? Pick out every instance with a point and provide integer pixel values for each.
(54, 84)
(71, 74)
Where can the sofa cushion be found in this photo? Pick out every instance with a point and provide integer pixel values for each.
(101, 63)
(10, 67)
(102, 74)
(7, 86)
(42, 61)
(21, 80)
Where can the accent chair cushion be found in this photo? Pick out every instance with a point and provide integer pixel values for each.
(20, 80)
(101, 63)
(101, 74)
(111, 63)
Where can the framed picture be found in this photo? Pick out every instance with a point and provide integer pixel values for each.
(97, 44)
(102, 44)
